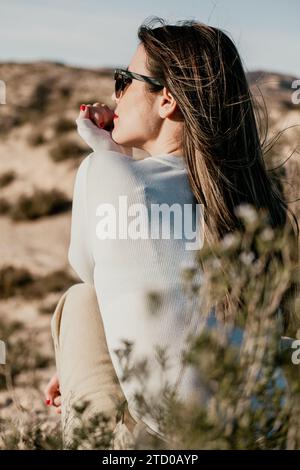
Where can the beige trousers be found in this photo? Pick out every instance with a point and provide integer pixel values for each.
(85, 369)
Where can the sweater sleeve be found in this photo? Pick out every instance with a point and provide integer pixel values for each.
(79, 253)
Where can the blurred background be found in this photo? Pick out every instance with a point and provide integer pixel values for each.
(54, 56)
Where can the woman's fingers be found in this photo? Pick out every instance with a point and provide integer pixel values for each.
(84, 111)
(105, 111)
(100, 114)
(57, 401)
(52, 389)
(52, 393)
(92, 115)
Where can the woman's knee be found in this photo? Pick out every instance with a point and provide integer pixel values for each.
(81, 301)
(81, 290)
(78, 299)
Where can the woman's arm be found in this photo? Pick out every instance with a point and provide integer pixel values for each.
(80, 253)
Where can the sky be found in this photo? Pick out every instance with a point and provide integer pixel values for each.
(97, 33)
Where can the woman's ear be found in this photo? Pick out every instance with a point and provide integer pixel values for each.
(168, 105)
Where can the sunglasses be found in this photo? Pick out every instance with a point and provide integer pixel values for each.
(124, 77)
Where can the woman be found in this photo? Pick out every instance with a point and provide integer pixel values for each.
(187, 104)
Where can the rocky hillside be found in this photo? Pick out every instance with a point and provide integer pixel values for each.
(39, 154)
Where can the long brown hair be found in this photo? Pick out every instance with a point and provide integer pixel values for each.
(202, 69)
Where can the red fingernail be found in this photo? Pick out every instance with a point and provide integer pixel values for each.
(101, 124)
(82, 107)
(47, 402)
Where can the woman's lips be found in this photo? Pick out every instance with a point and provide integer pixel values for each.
(115, 116)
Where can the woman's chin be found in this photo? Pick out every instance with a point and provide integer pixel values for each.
(116, 138)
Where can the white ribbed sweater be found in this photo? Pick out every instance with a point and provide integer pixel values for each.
(124, 271)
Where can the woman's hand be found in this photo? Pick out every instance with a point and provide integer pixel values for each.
(92, 126)
(52, 394)
(100, 114)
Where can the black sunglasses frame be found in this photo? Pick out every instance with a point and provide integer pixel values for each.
(124, 77)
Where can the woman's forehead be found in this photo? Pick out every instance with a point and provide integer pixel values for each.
(138, 61)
